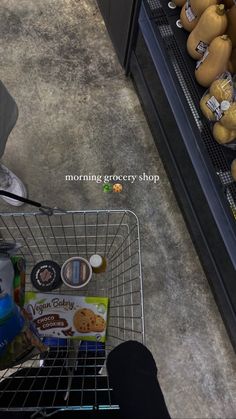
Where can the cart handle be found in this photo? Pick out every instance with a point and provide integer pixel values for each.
(45, 210)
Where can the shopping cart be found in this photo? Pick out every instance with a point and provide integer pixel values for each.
(73, 377)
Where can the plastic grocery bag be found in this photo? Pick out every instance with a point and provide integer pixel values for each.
(218, 97)
(218, 105)
(25, 345)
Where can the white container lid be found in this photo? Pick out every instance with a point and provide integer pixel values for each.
(96, 261)
(76, 272)
(225, 105)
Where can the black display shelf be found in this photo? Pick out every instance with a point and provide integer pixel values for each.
(175, 40)
(198, 167)
(119, 17)
(177, 45)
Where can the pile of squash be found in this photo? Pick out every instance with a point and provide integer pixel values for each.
(212, 43)
(212, 38)
(218, 106)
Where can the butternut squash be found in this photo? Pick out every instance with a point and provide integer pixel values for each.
(232, 62)
(222, 135)
(212, 23)
(233, 169)
(192, 11)
(231, 30)
(179, 3)
(229, 117)
(215, 61)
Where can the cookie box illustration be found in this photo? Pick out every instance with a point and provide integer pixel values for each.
(67, 316)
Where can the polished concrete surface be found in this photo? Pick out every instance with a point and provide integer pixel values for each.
(78, 115)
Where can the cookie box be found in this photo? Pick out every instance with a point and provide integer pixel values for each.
(67, 316)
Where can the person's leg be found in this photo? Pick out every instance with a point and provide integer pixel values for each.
(133, 375)
(8, 116)
(9, 182)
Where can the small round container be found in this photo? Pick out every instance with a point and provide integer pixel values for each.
(98, 263)
(76, 272)
(46, 276)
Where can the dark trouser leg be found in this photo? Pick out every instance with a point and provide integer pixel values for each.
(8, 116)
(133, 375)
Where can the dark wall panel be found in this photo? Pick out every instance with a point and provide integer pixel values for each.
(118, 15)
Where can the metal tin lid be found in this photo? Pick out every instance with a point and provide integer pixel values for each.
(46, 276)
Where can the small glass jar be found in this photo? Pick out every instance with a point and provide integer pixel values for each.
(98, 263)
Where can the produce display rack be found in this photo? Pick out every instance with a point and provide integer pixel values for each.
(198, 167)
(175, 42)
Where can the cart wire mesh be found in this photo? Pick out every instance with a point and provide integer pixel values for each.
(74, 376)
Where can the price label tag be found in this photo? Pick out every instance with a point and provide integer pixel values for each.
(202, 47)
(215, 107)
(189, 13)
(202, 60)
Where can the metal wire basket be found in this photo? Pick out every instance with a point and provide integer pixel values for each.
(74, 377)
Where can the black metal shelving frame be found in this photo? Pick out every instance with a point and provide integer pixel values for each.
(198, 167)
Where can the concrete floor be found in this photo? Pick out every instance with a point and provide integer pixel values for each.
(80, 115)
